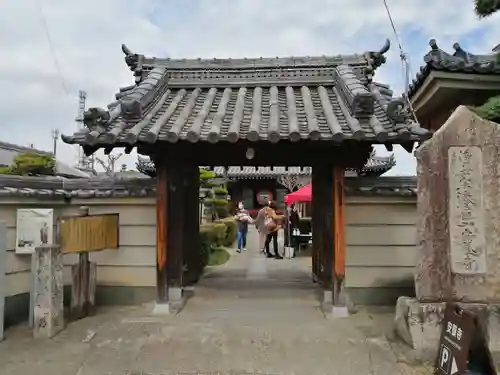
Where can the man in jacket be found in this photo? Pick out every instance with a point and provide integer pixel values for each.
(261, 227)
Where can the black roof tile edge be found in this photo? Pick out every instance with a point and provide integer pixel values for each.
(460, 61)
(52, 188)
(18, 148)
(139, 63)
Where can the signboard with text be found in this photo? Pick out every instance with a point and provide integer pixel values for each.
(462, 345)
(89, 233)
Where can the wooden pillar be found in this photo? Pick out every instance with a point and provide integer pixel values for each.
(177, 227)
(176, 215)
(339, 235)
(322, 224)
(161, 229)
(192, 222)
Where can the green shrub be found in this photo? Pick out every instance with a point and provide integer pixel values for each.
(206, 243)
(220, 191)
(218, 257)
(231, 231)
(219, 233)
(31, 164)
(215, 202)
(490, 110)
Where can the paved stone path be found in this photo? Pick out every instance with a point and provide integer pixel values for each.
(252, 315)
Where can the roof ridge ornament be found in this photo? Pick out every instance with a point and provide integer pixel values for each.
(135, 62)
(376, 59)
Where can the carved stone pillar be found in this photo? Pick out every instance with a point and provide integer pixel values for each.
(48, 310)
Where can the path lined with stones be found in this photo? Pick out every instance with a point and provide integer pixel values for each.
(252, 315)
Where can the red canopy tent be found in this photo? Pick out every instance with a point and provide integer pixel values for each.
(304, 194)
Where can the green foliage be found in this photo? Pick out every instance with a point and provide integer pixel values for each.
(5, 170)
(489, 110)
(219, 233)
(218, 257)
(206, 177)
(220, 191)
(485, 8)
(219, 206)
(31, 164)
(215, 202)
(206, 243)
(231, 231)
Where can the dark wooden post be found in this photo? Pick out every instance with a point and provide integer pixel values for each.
(322, 227)
(175, 229)
(339, 236)
(83, 286)
(192, 222)
(161, 229)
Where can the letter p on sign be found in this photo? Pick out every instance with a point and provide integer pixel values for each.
(444, 359)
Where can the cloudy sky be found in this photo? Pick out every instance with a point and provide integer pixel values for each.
(86, 38)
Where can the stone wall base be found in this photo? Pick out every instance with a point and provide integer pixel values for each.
(419, 325)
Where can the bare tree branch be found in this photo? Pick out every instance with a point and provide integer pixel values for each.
(109, 164)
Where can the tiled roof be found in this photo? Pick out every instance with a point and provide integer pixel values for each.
(374, 164)
(317, 98)
(459, 62)
(378, 164)
(54, 188)
(9, 151)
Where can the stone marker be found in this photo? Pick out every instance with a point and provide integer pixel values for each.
(48, 313)
(458, 230)
(3, 281)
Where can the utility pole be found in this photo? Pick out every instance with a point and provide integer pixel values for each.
(84, 163)
(55, 137)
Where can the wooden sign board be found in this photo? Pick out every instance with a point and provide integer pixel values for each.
(89, 233)
(462, 347)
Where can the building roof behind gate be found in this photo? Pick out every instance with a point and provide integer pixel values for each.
(460, 61)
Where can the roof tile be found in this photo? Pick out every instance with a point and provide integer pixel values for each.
(53, 188)
(460, 61)
(327, 98)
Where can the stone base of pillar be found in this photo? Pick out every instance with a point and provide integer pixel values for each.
(176, 301)
(48, 314)
(341, 309)
(419, 325)
(340, 312)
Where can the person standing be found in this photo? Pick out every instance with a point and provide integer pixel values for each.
(272, 223)
(261, 227)
(242, 218)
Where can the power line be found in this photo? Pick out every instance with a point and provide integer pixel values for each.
(52, 49)
(405, 63)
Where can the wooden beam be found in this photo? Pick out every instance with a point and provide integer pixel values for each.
(349, 154)
(161, 229)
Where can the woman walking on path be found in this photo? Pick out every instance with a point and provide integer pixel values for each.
(242, 218)
(272, 223)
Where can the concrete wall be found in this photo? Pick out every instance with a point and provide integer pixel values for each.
(381, 251)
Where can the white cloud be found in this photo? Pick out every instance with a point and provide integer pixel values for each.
(87, 37)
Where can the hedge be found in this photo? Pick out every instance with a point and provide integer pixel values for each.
(231, 231)
(220, 233)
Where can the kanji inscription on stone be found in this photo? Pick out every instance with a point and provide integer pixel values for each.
(466, 213)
